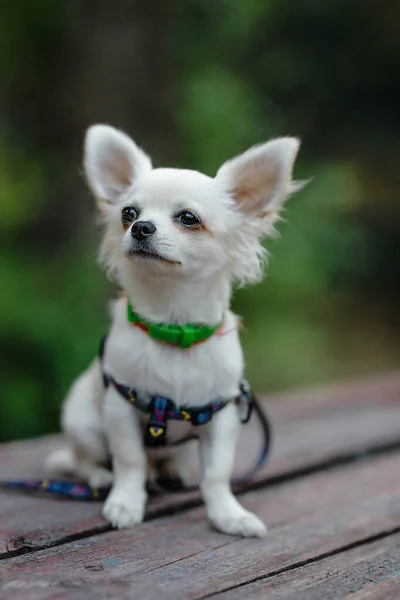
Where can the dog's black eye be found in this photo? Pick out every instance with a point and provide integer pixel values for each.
(188, 219)
(129, 214)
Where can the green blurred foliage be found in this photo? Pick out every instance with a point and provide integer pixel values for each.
(195, 83)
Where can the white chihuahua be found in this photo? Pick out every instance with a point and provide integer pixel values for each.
(175, 241)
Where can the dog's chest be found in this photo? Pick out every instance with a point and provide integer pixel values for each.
(193, 377)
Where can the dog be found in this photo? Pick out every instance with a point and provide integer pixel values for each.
(176, 242)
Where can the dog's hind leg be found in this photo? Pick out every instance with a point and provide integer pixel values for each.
(180, 465)
(86, 455)
(61, 462)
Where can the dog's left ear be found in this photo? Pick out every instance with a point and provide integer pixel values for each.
(112, 163)
(260, 180)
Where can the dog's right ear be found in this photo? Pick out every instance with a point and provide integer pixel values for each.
(112, 163)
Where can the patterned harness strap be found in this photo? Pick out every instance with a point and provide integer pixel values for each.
(76, 491)
(162, 409)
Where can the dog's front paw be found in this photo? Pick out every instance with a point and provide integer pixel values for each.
(121, 512)
(244, 523)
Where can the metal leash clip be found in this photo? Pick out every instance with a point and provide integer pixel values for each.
(245, 401)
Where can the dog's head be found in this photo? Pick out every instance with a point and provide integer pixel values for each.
(182, 222)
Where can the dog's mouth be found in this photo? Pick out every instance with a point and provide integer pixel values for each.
(151, 255)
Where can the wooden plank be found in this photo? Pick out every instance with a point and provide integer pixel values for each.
(311, 430)
(369, 571)
(388, 589)
(363, 391)
(180, 558)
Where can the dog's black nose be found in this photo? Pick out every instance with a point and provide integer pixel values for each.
(142, 229)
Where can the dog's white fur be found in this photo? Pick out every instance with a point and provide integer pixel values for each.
(237, 208)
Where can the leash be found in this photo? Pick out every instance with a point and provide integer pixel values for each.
(75, 491)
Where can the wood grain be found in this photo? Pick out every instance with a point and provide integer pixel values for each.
(389, 589)
(180, 558)
(369, 571)
(313, 429)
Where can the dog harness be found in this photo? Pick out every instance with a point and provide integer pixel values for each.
(161, 409)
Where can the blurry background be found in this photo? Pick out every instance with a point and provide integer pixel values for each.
(195, 82)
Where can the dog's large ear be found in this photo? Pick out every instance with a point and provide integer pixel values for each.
(112, 162)
(260, 180)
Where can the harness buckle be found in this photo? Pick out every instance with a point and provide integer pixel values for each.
(156, 433)
(245, 402)
(156, 428)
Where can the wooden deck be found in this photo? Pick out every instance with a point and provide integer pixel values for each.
(330, 495)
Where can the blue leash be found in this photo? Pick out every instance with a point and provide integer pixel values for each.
(76, 491)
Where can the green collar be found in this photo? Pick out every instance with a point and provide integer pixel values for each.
(184, 336)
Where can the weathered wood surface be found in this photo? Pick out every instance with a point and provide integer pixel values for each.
(311, 430)
(388, 589)
(370, 571)
(330, 494)
(181, 558)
